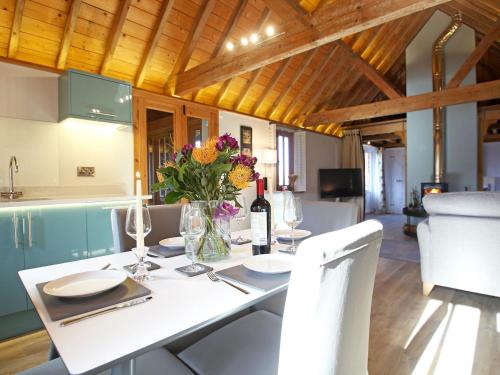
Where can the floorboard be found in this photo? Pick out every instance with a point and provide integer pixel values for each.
(449, 332)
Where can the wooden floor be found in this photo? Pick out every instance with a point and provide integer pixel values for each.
(449, 332)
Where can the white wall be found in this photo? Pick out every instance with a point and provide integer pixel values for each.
(461, 128)
(322, 152)
(48, 152)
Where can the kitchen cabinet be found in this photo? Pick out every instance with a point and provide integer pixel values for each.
(13, 297)
(54, 234)
(93, 97)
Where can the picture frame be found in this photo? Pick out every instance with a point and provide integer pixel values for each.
(246, 140)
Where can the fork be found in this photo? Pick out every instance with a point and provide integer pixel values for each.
(214, 278)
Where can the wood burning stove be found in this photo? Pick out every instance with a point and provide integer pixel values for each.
(433, 188)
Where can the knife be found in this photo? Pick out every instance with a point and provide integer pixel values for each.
(120, 306)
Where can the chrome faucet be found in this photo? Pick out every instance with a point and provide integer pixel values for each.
(11, 194)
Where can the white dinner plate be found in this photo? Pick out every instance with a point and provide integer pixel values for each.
(85, 284)
(298, 234)
(173, 242)
(270, 263)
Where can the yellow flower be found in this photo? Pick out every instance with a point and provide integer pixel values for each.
(240, 176)
(204, 155)
(210, 143)
(160, 176)
(170, 164)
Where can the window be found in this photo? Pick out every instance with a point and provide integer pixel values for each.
(284, 141)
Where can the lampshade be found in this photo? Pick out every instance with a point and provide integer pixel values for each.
(266, 155)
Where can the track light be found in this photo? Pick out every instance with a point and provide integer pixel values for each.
(270, 30)
(254, 38)
(229, 46)
(244, 41)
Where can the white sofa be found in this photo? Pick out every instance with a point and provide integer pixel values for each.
(460, 242)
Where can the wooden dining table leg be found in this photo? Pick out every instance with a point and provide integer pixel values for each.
(125, 368)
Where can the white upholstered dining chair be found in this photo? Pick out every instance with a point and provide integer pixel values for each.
(325, 326)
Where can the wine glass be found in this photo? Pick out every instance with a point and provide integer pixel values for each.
(140, 269)
(239, 218)
(292, 215)
(192, 227)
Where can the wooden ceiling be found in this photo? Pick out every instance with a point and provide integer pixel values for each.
(327, 55)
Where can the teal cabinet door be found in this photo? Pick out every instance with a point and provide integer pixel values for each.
(99, 233)
(12, 295)
(54, 235)
(96, 97)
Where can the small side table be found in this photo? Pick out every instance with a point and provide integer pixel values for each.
(410, 228)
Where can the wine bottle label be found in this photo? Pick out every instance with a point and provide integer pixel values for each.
(259, 228)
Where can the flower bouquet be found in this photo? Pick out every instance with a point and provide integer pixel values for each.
(211, 176)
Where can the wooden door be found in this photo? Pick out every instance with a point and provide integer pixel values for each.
(394, 170)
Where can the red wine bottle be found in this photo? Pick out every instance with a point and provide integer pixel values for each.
(260, 217)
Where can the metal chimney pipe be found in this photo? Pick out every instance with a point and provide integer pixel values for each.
(438, 83)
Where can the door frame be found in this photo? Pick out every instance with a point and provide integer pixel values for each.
(181, 109)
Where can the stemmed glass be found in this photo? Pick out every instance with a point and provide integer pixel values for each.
(292, 215)
(140, 269)
(239, 218)
(191, 227)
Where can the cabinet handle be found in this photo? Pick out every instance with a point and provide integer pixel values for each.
(15, 222)
(30, 239)
(97, 112)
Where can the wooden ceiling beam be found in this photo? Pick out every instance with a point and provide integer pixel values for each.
(307, 59)
(305, 88)
(465, 94)
(475, 56)
(156, 34)
(225, 86)
(335, 21)
(69, 28)
(270, 86)
(114, 35)
(289, 9)
(16, 29)
(370, 72)
(228, 30)
(254, 78)
(194, 35)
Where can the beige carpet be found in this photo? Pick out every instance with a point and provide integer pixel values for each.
(395, 244)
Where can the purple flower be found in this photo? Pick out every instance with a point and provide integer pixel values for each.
(174, 157)
(225, 210)
(187, 149)
(255, 176)
(227, 141)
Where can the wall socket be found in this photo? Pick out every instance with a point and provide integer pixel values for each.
(85, 171)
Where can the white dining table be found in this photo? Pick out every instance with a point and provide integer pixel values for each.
(180, 305)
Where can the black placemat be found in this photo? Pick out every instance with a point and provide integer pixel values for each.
(62, 308)
(166, 252)
(258, 280)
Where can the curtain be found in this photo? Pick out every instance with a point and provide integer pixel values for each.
(374, 180)
(353, 157)
(380, 185)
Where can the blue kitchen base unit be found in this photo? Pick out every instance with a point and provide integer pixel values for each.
(19, 323)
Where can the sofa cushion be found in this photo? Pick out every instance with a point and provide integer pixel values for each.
(470, 203)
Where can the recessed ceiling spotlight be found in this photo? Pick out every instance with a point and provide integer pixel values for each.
(254, 38)
(270, 30)
(244, 41)
(229, 46)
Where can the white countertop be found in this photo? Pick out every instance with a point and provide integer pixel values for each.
(30, 201)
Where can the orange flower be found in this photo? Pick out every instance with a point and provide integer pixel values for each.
(207, 153)
(204, 155)
(240, 176)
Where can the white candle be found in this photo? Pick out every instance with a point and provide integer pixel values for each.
(138, 210)
(271, 199)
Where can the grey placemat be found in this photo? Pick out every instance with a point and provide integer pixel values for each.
(62, 308)
(166, 252)
(258, 280)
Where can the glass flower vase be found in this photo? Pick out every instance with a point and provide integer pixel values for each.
(215, 243)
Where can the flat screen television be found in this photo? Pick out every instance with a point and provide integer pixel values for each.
(342, 182)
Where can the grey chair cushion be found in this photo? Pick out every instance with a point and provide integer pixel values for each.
(164, 224)
(249, 345)
(155, 362)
